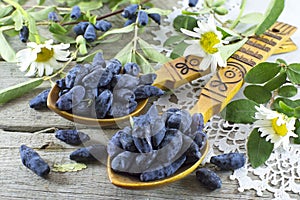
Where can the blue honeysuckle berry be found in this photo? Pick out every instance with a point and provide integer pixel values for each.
(155, 17)
(229, 161)
(75, 13)
(142, 18)
(80, 28)
(208, 178)
(103, 25)
(24, 34)
(130, 10)
(90, 33)
(52, 16)
(32, 160)
(130, 20)
(193, 3)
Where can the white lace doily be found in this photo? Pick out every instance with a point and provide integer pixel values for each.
(281, 173)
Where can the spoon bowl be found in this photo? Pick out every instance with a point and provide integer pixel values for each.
(131, 182)
(171, 75)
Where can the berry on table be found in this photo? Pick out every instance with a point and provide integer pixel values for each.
(32, 160)
(208, 178)
(229, 161)
(39, 101)
(71, 136)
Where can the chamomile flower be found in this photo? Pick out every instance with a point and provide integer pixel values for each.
(207, 44)
(277, 127)
(42, 59)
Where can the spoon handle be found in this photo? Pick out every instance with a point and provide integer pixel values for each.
(222, 87)
(178, 72)
(185, 69)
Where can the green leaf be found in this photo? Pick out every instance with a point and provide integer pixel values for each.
(278, 103)
(18, 90)
(240, 111)
(262, 72)
(185, 22)
(252, 18)
(287, 91)
(297, 112)
(64, 38)
(144, 64)
(227, 50)
(293, 73)
(40, 2)
(257, 93)
(125, 29)
(151, 53)
(297, 131)
(158, 11)
(57, 29)
(124, 56)
(5, 10)
(175, 39)
(18, 19)
(274, 10)
(276, 82)
(89, 5)
(6, 51)
(89, 57)
(42, 14)
(286, 109)
(178, 50)
(259, 150)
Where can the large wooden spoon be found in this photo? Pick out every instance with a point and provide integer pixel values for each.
(217, 93)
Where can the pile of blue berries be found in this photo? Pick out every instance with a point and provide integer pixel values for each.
(133, 13)
(87, 29)
(104, 89)
(156, 146)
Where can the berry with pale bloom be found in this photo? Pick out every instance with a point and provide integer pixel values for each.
(276, 127)
(75, 13)
(42, 59)
(206, 44)
(192, 3)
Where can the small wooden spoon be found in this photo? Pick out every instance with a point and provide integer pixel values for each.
(171, 75)
(218, 92)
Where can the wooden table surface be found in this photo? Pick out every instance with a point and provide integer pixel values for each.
(19, 124)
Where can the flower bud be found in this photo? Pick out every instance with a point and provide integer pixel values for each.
(221, 10)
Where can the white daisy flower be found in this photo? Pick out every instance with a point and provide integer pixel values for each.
(42, 59)
(277, 127)
(207, 44)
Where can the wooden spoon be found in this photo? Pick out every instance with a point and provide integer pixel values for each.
(217, 93)
(220, 89)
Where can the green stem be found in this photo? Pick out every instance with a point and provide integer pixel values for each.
(236, 21)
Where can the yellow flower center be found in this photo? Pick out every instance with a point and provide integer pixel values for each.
(279, 130)
(208, 40)
(44, 55)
